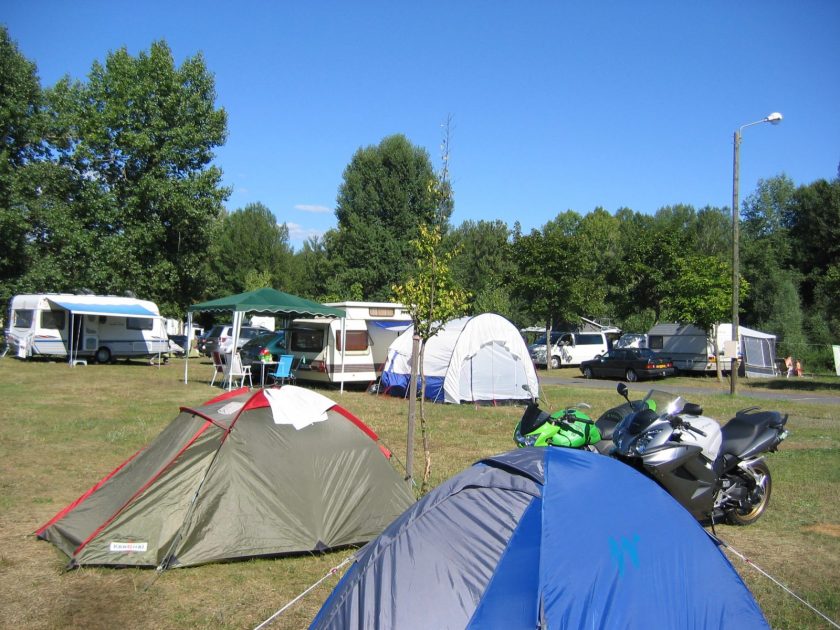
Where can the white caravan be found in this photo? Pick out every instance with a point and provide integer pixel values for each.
(84, 326)
(693, 349)
(352, 349)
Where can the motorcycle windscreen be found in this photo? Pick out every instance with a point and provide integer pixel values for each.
(630, 556)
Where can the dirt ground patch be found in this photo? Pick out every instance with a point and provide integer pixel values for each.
(829, 529)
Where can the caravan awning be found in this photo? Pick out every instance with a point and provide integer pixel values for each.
(120, 310)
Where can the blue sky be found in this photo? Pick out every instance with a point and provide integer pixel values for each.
(554, 105)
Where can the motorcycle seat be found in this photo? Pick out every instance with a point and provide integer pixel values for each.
(740, 432)
(611, 418)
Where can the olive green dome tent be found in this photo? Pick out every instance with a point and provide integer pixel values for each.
(247, 474)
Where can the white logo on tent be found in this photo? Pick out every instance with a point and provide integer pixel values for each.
(128, 547)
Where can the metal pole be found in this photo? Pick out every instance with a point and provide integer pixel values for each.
(736, 218)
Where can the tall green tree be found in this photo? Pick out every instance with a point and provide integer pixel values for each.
(814, 224)
(549, 281)
(136, 140)
(545, 263)
(701, 294)
(313, 269)
(250, 245)
(712, 234)
(813, 219)
(775, 299)
(765, 250)
(598, 234)
(388, 191)
(649, 251)
(21, 130)
(484, 264)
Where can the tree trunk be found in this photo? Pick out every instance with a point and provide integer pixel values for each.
(548, 346)
(424, 430)
(412, 410)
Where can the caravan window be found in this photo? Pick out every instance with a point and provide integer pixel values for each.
(139, 323)
(22, 318)
(357, 340)
(306, 339)
(54, 320)
(655, 342)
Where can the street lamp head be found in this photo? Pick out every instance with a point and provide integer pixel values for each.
(774, 119)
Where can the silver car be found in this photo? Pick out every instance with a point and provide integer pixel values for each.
(220, 338)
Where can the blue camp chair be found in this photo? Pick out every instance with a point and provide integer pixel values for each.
(283, 372)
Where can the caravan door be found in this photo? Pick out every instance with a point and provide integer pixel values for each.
(90, 338)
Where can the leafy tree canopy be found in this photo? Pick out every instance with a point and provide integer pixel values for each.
(21, 130)
(127, 197)
(251, 248)
(388, 191)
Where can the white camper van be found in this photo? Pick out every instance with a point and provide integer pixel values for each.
(352, 349)
(569, 348)
(84, 326)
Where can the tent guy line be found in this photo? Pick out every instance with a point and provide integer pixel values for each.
(775, 581)
(280, 611)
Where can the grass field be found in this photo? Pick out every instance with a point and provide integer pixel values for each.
(64, 428)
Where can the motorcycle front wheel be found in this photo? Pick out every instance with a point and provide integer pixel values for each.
(748, 516)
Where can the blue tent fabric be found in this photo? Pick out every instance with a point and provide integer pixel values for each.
(543, 538)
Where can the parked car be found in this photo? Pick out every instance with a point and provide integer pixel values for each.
(220, 338)
(569, 348)
(275, 342)
(539, 342)
(630, 364)
(201, 341)
(181, 342)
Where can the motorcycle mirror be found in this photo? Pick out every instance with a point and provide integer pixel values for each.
(621, 388)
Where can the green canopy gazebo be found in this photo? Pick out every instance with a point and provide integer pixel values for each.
(266, 301)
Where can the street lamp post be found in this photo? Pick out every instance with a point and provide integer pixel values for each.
(774, 119)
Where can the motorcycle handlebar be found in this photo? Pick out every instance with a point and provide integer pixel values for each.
(682, 423)
(677, 421)
(694, 429)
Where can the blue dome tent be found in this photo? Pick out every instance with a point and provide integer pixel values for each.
(521, 541)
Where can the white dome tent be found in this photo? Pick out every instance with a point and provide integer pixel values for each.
(471, 359)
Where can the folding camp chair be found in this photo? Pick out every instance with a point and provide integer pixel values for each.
(283, 372)
(218, 368)
(234, 369)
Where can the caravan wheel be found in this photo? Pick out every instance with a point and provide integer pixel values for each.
(103, 355)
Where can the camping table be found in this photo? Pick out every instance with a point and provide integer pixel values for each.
(262, 370)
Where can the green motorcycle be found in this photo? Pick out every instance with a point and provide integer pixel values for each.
(569, 428)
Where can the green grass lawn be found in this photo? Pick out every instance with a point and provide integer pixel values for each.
(64, 428)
